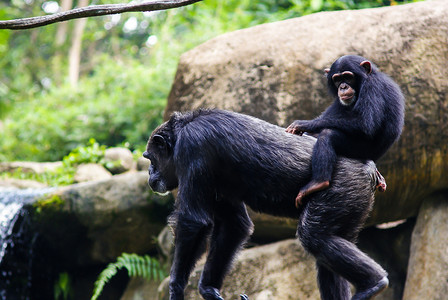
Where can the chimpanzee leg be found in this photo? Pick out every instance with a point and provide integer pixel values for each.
(330, 144)
(331, 285)
(232, 227)
(345, 259)
(323, 160)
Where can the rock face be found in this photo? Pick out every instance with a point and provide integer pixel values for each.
(91, 172)
(275, 72)
(282, 270)
(428, 263)
(140, 289)
(143, 164)
(276, 271)
(98, 221)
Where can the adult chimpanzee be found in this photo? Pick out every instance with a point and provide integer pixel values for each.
(365, 119)
(221, 161)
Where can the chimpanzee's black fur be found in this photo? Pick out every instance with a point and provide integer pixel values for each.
(221, 161)
(363, 129)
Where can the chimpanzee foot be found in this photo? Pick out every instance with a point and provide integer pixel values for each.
(299, 198)
(210, 293)
(380, 182)
(244, 297)
(373, 291)
(310, 188)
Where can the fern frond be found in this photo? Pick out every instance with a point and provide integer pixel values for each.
(136, 265)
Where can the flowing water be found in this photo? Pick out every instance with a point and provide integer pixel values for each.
(16, 242)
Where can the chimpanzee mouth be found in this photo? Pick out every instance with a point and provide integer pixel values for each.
(162, 194)
(158, 187)
(347, 99)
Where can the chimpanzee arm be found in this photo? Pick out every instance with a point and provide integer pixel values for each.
(352, 123)
(193, 223)
(190, 239)
(348, 125)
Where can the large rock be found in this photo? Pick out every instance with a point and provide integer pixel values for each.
(275, 72)
(91, 172)
(428, 263)
(282, 270)
(119, 159)
(276, 271)
(140, 289)
(143, 164)
(98, 221)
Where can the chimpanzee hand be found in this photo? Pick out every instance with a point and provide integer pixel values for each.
(297, 127)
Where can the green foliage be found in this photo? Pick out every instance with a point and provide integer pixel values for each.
(92, 153)
(136, 265)
(24, 55)
(121, 101)
(59, 177)
(53, 202)
(63, 287)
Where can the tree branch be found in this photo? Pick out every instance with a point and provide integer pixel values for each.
(93, 11)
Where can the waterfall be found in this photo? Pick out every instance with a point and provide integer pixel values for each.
(11, 202)
(16, 242)
(8, 217)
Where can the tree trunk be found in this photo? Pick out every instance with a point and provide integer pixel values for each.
(75, 50)
(61, 33)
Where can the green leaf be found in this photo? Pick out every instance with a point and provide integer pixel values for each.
(317, 5)
(136, 265)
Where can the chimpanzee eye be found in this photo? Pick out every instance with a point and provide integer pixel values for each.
(349, 78)
(337, 79)
(348, 75)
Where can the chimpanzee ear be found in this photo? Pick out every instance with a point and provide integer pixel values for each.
(367, 66)
(159, 141)
(327, 70)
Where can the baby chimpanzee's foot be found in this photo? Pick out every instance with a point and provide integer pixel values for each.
(380, 182)
(310, 188)
(299, 198)
(373, 291)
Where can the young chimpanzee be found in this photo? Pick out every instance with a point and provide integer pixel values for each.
(220, 161)
(365, 119)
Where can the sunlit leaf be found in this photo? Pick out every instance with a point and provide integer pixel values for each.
(316, 5)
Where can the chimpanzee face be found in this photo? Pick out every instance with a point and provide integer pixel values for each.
(345, 83)
(162, 172)
(345, 77)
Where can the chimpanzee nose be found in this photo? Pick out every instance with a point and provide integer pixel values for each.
(343, 86)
